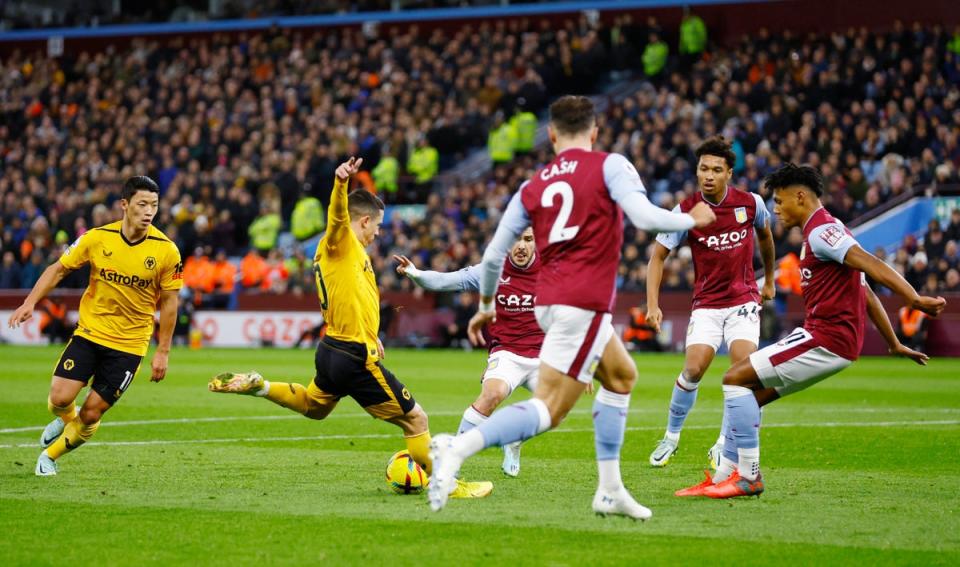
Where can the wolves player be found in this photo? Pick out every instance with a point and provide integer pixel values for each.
(133, 267)
(725, 296)
(515, 336)
(835, 297)
(574, 205)
(348, 359)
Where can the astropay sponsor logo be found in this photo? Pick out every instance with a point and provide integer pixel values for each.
(114, 276)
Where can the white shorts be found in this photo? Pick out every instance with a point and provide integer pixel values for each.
(795, 363)
(575, 339)
(711, 326)
(513, 369)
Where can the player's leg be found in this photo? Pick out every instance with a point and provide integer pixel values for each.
(315, 400)
(492, 392)
(741, 346)
(617, 374)
(61, 403)
(113, 372)
(704, 336)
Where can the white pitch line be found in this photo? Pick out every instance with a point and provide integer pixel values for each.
(829, 424)
(334, 417)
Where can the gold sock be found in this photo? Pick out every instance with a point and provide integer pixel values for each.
(76, 433)
(289, 395)
(419, 448)
(67, 413)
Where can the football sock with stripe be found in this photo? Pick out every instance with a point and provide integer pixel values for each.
(67, 413)
(76, 433)
(517, 422)
(419, 448)
(609, 424)
(682, 400)
(471, 419)
(743, 415)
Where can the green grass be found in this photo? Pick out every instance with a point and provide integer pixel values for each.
(863, 468)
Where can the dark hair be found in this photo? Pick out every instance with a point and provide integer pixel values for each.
(138, 183)
(362, 202)
(719, 147)
(572, 114)
(792, 174)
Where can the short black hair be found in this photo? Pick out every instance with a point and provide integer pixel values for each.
(138, 183)
(362, 202)
(572, 114)
(720, 147)
(792, 174)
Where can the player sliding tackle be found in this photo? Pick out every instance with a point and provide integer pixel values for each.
(574, 206)
(348, 358)
(835, 297)
(725, 296)
(515, 336)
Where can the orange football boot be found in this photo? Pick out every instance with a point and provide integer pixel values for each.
(735, 486)
(696, 490)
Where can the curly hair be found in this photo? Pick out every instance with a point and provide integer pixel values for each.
(792, 174)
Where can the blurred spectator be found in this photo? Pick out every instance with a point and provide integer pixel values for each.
(53, 322)
(308, 219)
(912, 328)
(253, 270)
(455, 333)
(9, 272)
(638, 335)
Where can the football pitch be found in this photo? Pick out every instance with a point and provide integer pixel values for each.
(862, 469)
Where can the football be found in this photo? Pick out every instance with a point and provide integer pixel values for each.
(404, 475)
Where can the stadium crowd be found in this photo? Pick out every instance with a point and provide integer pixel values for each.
(243, 135)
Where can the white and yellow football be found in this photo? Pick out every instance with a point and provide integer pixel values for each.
(404, 475)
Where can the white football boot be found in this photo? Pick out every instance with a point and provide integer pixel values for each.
(45, 466)
(511, 459)
(446, 465)
(662, 453)
(619, 503)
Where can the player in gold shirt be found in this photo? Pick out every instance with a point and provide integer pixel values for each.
(348, 359)
(133, 266)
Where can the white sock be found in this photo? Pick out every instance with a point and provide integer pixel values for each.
(262, 392)
(610, 480)
(720, 440)
(474, 417)
(686, 384)
(675, 437)
(724, 471)
(749, 465)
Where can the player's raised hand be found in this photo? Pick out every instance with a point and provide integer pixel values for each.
(23, 314)
(159, 366)
(932, 306)
(402, 264)
(702, 215)
(654, 318)
(477, 323)
(916, 356)
(349, 168)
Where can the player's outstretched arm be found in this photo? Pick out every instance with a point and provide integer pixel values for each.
(338, 214)
(880, 319)
(860, 259)
(467, 279)
(168, 319)
(52, 276)
(654, 277)
(512, 224)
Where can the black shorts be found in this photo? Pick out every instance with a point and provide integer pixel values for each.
(343, 369)
(112, 370)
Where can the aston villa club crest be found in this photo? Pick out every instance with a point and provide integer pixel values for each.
(741, 214)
